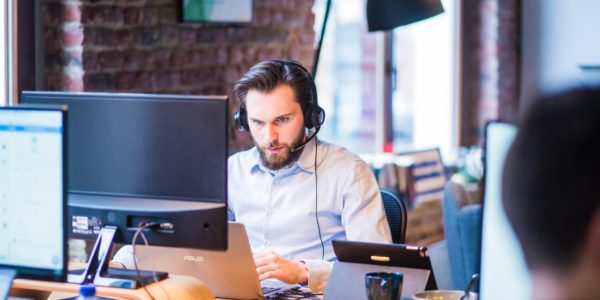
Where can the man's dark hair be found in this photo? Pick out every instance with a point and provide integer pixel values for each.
(267, 75)
(551, 177)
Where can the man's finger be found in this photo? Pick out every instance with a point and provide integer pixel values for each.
(271, 274)
(267, 268)
(260, 261)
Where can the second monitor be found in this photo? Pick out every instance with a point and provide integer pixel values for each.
(137, 158)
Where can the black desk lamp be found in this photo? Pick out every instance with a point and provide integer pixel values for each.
(385, 15)
(388, 14)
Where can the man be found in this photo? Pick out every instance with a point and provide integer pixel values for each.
(295, 193)
(551, 194)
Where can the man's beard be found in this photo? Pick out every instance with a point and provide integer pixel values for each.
(287, 157)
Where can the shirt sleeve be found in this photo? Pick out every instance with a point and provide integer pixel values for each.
(363, 219)
(318, 274)
(363, 216)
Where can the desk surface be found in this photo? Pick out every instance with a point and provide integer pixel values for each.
(174, 287)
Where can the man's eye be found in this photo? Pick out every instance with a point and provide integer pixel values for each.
(282, 119)
(257, 122)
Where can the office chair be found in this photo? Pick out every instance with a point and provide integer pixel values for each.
(395, 211)
(462, 227)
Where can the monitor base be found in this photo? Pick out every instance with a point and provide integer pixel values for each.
(98, 272)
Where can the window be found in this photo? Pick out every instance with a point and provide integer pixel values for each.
(424, 94)
(346, 76)
(351, 69)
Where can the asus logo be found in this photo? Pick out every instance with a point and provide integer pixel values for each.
(193, 258)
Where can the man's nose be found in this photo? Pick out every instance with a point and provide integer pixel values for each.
(271, 132)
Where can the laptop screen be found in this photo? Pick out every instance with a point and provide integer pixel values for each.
(504, 274)
(32, 199)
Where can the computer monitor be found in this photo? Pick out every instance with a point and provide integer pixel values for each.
(138, 158)
(33, 192)
(504, 274)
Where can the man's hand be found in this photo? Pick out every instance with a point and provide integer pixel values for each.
(272, 265)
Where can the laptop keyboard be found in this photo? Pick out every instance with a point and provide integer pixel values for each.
(267, 290)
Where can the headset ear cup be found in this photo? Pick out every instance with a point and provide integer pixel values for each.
(309, 117)
(314, 116)
(240, 120)
(318, 116)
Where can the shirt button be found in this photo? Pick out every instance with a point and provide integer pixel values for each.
(269, 212)
(268, 243)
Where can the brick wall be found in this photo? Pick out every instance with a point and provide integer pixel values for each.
(140, 46)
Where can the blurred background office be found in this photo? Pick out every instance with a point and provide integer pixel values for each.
(428, 85)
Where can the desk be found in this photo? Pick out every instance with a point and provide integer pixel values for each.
(177, 287)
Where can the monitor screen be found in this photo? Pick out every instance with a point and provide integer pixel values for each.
(141, 157)
(32, 192)
(504, 274)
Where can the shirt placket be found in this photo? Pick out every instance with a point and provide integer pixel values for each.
(268, 217)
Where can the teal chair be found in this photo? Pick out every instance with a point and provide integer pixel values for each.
(462, 226)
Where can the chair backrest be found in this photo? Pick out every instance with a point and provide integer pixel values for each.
(462, 227)
(395, 211)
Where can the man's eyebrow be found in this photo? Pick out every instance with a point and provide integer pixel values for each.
(286, 115)
(281, 116)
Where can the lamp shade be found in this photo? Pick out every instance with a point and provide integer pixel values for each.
(388, 14)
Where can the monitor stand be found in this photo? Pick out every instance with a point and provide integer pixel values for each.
(98, 272)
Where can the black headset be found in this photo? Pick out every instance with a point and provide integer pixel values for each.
(314, 115)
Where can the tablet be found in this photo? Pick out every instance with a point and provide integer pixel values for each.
(355, 259)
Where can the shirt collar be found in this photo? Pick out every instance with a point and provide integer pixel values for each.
(306, 161)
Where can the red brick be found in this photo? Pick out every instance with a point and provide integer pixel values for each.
(179, 58)
(110, 15)
(133, 15)
(90, 61)
(262, 17)
(126, 81)
(53, 81)
(222, 56)
(135, 60)
(159, 59)
(100, 82)
(250, 55)
(53, 14)
(73, 84)
(209, 55)
(73, 37)
(123, 37)
(277, 17)
(102, 37)
(72, 56)
(236, 55)
(52, 38)
(71, 13)
(194, 57)
(168, 15)
(150, 16)
(110, 60)
(169, 36)
(188, 36)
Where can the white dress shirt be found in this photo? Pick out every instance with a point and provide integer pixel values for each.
(278, 207)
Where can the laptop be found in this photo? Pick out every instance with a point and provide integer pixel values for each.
(355, 259)
(228, 274)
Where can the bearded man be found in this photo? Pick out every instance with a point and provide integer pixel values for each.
(293, 192)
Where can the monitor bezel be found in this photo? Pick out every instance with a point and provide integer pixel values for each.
(485, 159)
(120, 216)
(42, 273)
